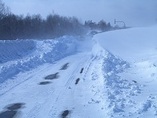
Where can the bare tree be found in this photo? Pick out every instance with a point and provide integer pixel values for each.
(4, 10)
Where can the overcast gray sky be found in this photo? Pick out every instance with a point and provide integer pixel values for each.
(133, 12)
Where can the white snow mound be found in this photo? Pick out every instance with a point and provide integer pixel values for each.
(23, 55)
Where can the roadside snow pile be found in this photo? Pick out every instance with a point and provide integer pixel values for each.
(119, 91)
(130, 44)
(23, 55)
(12, 50)
(131, 92)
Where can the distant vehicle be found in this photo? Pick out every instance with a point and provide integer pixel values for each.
(94, 32)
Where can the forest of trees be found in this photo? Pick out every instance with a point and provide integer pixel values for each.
(35, 27)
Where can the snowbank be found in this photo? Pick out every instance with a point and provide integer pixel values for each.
(23, 55)
(131, 92)
(131, 43)
(12, 50)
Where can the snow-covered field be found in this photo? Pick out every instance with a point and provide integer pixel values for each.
(110, 75)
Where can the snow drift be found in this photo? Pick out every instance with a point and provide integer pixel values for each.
(131, 92)
(130, 44)
(23, 55)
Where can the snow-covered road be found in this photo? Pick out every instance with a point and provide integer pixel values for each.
(69, 78)
(74, 84)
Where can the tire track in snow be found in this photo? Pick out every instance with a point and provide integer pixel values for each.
(85, 92)
(52, 109)
(22, 81)
(70, 81)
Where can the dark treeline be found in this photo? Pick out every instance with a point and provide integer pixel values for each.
(35, 27)
(30, 27)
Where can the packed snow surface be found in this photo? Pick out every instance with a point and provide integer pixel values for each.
(110, 75)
